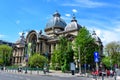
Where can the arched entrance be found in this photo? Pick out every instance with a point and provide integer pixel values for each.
(31, 42)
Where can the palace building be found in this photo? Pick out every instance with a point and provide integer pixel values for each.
(46, 43)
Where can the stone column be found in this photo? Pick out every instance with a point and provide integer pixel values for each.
(37, 47)
(52, 48)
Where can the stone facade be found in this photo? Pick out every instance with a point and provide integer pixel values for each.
(45, 43)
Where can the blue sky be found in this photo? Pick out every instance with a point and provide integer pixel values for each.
(17, 16)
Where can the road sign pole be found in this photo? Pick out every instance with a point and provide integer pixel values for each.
(96, 56)
(96, 69)
(96, 66)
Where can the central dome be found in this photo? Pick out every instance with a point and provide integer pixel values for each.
(55, 22)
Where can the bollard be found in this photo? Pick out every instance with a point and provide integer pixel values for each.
(95, 76)
(25, 70)
(102, 76)
(31, 72)
(37, 71)
(115, 75)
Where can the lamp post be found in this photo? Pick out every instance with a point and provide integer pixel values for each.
(85, 59)
(79, 60)
(26, 63)
(26, 57)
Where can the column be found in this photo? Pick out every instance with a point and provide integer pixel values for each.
(52, 48)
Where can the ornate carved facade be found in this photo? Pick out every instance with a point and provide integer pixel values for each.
(45, 43)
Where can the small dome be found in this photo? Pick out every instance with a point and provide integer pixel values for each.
(73, 25)
(21, 40)
(56, 21)
(96, 37)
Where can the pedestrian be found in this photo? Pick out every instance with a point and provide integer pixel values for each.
(111, 73)
(44, 70)
(108, 73)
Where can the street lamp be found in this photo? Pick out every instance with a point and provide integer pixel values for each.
(26, 63)
(79, 60)
(26, 57)
(85, 59)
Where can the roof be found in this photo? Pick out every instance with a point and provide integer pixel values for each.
(56, 21)
(73, 25)
(96, 37)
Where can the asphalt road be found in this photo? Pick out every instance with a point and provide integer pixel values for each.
(13, 76)
(51, 76)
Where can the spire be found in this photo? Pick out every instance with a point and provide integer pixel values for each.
(56, 14)
(22, 35)
(94, 33)
(73, 18)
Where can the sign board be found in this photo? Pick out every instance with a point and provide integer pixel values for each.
(96, 56)
(72, 66)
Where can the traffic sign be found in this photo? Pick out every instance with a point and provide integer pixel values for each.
(96, 56)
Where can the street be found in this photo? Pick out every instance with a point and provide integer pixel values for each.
(13, 76)
(49, 76)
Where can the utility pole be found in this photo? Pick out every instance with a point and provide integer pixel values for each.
(79, 60)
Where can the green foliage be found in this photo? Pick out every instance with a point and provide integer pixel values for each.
(5, 54)
(1, 61)
(37, 60)
(113, 50)
(67, 54)
(86, 44)
(106, 61)
(55, 59)
(63, 55)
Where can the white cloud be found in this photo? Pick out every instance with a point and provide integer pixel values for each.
(85, 3)
(20, 33)
(117, 30)
(74, 11)
(25, 33)
(2, 36)
(49, 0)
(107, 36)
(90, 3)
(68, 15)
(117, 25)
(18, 22)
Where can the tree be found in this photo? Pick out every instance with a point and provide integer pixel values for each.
(37, 60)
(1, 61)
(113, 50)
(87, 46)
(106, 61)
(63, 55)
(5, 55)
(55, 59)
(67, 53)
